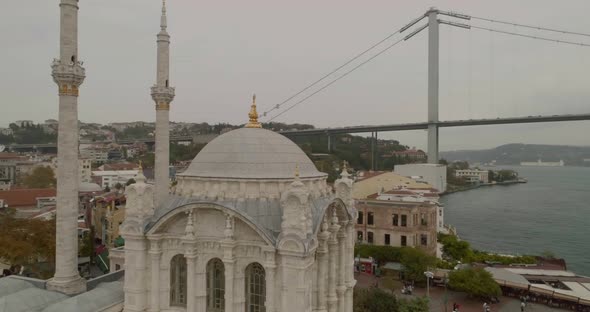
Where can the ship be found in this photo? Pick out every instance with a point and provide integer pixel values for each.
(540, 163)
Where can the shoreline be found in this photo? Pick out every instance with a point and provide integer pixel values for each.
(473, 187)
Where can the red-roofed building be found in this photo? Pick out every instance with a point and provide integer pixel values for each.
(28, 202)
(411, 154)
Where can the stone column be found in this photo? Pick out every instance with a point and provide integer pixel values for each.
(68, 74)
(191, 288)
(135, 273)
(229, 265)
(349, 276)
(270, 287)
(323, 268)
(343, 262)
(332, 278)
(229, 262)
(239, 289)
(155, 255)
(200, 293)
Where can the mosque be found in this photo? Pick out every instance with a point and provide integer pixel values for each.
(252, 225)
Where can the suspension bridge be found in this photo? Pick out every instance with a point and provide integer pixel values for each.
(434, 18)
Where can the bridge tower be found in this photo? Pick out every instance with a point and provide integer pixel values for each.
(433, 79)
(163, 95)
(68, 74)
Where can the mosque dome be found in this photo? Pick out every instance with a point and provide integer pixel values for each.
(251, 153)
(87, 187)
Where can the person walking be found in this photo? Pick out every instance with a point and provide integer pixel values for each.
(522, 306)
(486, 307)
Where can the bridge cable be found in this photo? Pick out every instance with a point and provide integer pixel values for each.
(335, 80)
(582, 44)
(277, 106)
(531, 27)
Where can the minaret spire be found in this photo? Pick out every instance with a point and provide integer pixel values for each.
(163, 95)
(68, 74)
(163, 20)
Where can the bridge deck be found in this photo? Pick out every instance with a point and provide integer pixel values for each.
(441, 124)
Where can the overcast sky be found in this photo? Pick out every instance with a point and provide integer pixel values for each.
(223, 51)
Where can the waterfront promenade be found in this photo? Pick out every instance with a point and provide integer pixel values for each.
(437, 299)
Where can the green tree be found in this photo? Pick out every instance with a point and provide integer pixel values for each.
(118, 186)
(453, 248)
(476, 282)
(416, 262)
(27, 242)
(130, 181)
(40, 177)
(373, 300)
(419, 304)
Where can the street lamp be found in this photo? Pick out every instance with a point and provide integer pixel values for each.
(428, 275)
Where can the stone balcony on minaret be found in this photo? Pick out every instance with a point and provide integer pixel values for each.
(68, 76)
(163, 96)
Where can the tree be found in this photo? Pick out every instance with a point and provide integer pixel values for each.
(476, 282)
(419, 304)
(454, 248)
(40, 177)
(118, 186)
(130, 181)
(27, 241)
(416, 262)
(373, 300)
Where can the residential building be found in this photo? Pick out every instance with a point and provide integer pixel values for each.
(85, 170)
(95, 153)
(397, 222)
(433, 174)
(371, 182)
(108, 214)
(28, 202)
(118, 166)
(394, 210)
(8, 169)
(411, 154)
(111, 177)
(473, 175)
(6, 131)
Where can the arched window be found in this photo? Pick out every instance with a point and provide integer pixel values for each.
(255, 288)
(215, 286)
(178, 281)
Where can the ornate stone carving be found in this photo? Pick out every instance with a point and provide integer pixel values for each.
(228, 232)
(140, 204)
(296, 210)
(163, 96)
(68, 76)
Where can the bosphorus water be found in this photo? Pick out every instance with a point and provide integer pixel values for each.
(549, 213)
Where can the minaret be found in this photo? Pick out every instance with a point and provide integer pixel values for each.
(162, 94)
(69, 74)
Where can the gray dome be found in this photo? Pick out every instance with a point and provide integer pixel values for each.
(251, 153)
(87, 187)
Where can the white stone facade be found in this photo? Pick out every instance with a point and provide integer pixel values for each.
(474, 175)
(294, 238)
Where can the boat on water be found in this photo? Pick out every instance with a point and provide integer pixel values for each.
(540, 163)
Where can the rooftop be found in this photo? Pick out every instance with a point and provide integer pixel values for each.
(25, 197)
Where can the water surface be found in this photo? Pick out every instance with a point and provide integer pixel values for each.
(549, 213)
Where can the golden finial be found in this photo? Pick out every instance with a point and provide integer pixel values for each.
(253, 115)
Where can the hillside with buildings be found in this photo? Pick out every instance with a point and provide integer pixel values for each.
(514, 154)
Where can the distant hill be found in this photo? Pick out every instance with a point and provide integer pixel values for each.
(513, 154)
